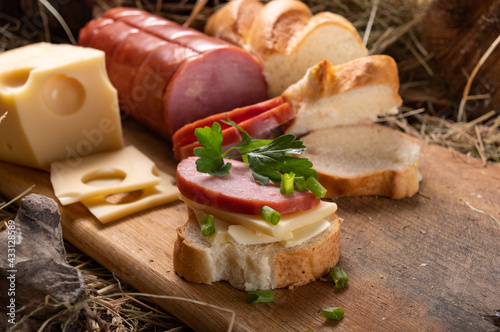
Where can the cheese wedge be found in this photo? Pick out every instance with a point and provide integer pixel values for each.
(59, 105)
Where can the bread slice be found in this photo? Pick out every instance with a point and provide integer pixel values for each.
(256, 266)
(360, 160)
(354, 92)
(287, 38)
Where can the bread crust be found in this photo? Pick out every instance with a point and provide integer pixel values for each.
(233, 21)
(299, 267)
(189, 261)
(293, 266)
(275, 25)
(316, 21)
(324, 79)
(394, 184)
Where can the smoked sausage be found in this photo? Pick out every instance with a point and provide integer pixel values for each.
(167, 75)
(258, 120)
(237, 191)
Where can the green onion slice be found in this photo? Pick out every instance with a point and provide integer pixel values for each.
(315, 187)
(339, 277)
(300, 183)
(270, 215)
(286, 187)
(207, 225)
(260, 296)
(335, 313)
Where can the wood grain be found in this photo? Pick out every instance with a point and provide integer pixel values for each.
(427, 263)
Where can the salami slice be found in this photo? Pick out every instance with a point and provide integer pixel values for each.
(237, 191)
(167, 75)
(186, 135)
(258, 126)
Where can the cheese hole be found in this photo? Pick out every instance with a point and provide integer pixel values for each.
(123, 198)
(63, 95)
(104, 178)
(15, 78)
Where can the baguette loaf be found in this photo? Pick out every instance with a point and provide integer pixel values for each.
(367, 159)
(354, 92)
(255, 266)
(286, 37)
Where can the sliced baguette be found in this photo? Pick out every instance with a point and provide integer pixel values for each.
(361, 160)
(233, 21)
(254, 267)
(286, 38)
(354, 92)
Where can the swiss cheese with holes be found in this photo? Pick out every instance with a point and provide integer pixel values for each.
(113, 184)
(104, 173)
(58, 104)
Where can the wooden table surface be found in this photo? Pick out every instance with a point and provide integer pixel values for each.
(426, 263)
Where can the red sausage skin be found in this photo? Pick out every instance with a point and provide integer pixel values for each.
(260, 125)
(167, 75)
(237, 191)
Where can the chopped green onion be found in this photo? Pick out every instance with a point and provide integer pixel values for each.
(300, 183)
(339, 277)
(207, 225)
(317, 189)
(270, 215)
(260, 296)
(286, 187)
(335, 313)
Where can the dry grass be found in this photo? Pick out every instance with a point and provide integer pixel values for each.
(386, 26)
(114, 305)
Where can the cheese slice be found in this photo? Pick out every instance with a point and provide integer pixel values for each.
(60, 105)
(288, 222)
(246, 229)
(244, 235)
(102, 174)
(225, 232)
(305, 233)
(165, 192)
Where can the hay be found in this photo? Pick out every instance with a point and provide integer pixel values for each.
(114, 305)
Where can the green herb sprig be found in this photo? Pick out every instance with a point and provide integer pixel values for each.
(268, 160)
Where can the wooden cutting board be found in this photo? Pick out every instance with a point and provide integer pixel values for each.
(426, 263)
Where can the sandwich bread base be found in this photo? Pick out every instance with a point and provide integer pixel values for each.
(257, 266)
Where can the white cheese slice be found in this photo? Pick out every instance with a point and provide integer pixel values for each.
(60, 105)
(288, 222)
(307, 232)
(102, 174)
(244, 235)
(165, 192)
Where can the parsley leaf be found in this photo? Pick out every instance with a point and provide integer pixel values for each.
(211, 159)
(267, 159)
(272, 160)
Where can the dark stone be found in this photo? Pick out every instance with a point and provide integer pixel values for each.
(38, 266)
